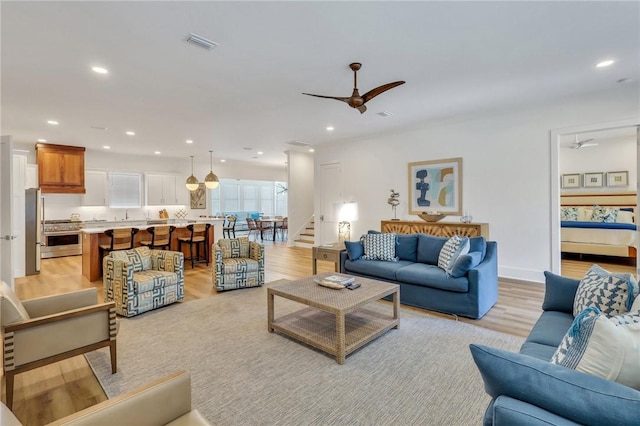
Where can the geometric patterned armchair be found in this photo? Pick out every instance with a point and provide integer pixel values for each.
(239, 263)
(141, 279)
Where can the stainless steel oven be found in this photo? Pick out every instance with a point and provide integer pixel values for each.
(61, 239)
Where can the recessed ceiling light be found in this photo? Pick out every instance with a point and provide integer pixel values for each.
(260, 152)
(157, 152)
(329, 128)
(312, 150)
(130, 133)
(223, 161)
(106, 147)
(189, 141)
(54, 122)
(42, 140)
(605, 63)
(100, 70)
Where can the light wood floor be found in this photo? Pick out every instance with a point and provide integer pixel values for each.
(51, 392)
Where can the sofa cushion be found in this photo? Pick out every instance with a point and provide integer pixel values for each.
(602, 346)
(429, 248)
(559, 293)
(550, 328)
(150, 279)
(431, 276)
(465, 263)
(573, 395)
(139, 257)
(511, 411)
(478, 244)
(379, 247)
(239, 265)
(612, 294)
(11, 309)
(451, 250)
(407, 247)
(355, 250)
(538, 350)
(375, 268)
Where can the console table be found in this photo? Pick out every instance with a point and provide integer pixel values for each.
(438, 229)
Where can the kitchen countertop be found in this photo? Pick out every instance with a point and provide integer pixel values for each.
(99, 227)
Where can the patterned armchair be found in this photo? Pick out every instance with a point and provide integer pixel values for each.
(141, 279)
(239, 263)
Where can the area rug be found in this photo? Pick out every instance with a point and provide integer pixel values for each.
(421, 373)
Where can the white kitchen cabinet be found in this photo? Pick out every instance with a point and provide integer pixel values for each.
(95, 182)
(160, 189)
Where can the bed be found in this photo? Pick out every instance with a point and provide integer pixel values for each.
(599, 223)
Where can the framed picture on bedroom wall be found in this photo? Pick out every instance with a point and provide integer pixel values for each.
(617, 178)
(571, 181)
(593, 180)
(436, 186)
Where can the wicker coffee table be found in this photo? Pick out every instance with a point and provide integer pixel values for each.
(336, 321)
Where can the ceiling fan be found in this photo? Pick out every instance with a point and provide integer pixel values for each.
(583, 144)
(355, 100)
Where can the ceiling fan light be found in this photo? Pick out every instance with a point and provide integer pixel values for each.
(211, 181)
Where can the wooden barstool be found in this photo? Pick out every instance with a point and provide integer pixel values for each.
(121, 239)
(199, 235)
(160, 237)
(229, 227)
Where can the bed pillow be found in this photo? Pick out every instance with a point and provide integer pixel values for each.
(604, 214)
(625, 217)
(612, 294)
(584, 214)
(451, 250)
(379, 247)
(355, 250)
(569, 214)
(603, 347)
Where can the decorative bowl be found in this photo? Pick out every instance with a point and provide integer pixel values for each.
(431, 217)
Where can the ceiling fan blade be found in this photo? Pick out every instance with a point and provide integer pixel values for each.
(361, 108)
(375, 92)
(338, 98)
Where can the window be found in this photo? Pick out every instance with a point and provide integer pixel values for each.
(125, 190)
(265, 197)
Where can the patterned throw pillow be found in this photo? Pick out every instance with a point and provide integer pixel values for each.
(604, 347)
(612, 294)
(569, 214)
(454, 247)
(604, 214)
(379, 247)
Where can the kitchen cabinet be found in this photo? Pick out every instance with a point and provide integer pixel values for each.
(160, 189)
(96, 188)
(60, 168)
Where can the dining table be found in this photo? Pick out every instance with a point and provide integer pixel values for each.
(273, 221)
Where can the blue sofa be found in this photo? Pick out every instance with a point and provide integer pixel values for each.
(470, 293)
(528, 390)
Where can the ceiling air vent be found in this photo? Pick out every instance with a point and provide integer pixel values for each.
(297, 143)
(201, 41)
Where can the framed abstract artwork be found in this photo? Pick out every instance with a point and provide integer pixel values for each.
(571, 180)
(436, 186)
(617, 178)
(593, 180)
(198, 198)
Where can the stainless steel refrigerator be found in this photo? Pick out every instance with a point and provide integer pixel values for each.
(33, 230)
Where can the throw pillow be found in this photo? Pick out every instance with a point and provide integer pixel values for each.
(612, 294)
(604, 214)
(407, 247)
(465, 263)
(355, 250)
(379, 247)
(636, 305)
(454, 247)
(603, 347)
(625, 217)
(569, 214)
(11, 309)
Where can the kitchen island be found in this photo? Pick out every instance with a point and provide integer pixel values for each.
(93, 235)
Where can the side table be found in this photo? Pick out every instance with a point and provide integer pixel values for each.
(328, 252)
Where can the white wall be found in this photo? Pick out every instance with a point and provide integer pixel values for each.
(506, 170)
(301, 184)
(606, 157)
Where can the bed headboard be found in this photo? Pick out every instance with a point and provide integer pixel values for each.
(626, 199)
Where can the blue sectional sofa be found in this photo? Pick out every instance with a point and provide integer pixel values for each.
(529, 390)
(470, 293)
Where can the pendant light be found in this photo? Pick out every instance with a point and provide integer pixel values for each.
(211, 181)
(192, 181)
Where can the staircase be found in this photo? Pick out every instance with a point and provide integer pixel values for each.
(306, 238)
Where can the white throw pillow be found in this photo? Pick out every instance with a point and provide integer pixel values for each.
(611, 293)
(451, 250)
(584, 214)
(11, 309)
(604, 347)
(625, 217)
(379, 247)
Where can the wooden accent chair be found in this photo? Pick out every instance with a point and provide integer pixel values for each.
(239, 263)
(45, 330)
(160, 237)
(199, 236)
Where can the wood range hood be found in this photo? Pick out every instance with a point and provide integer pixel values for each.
(60, 168)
